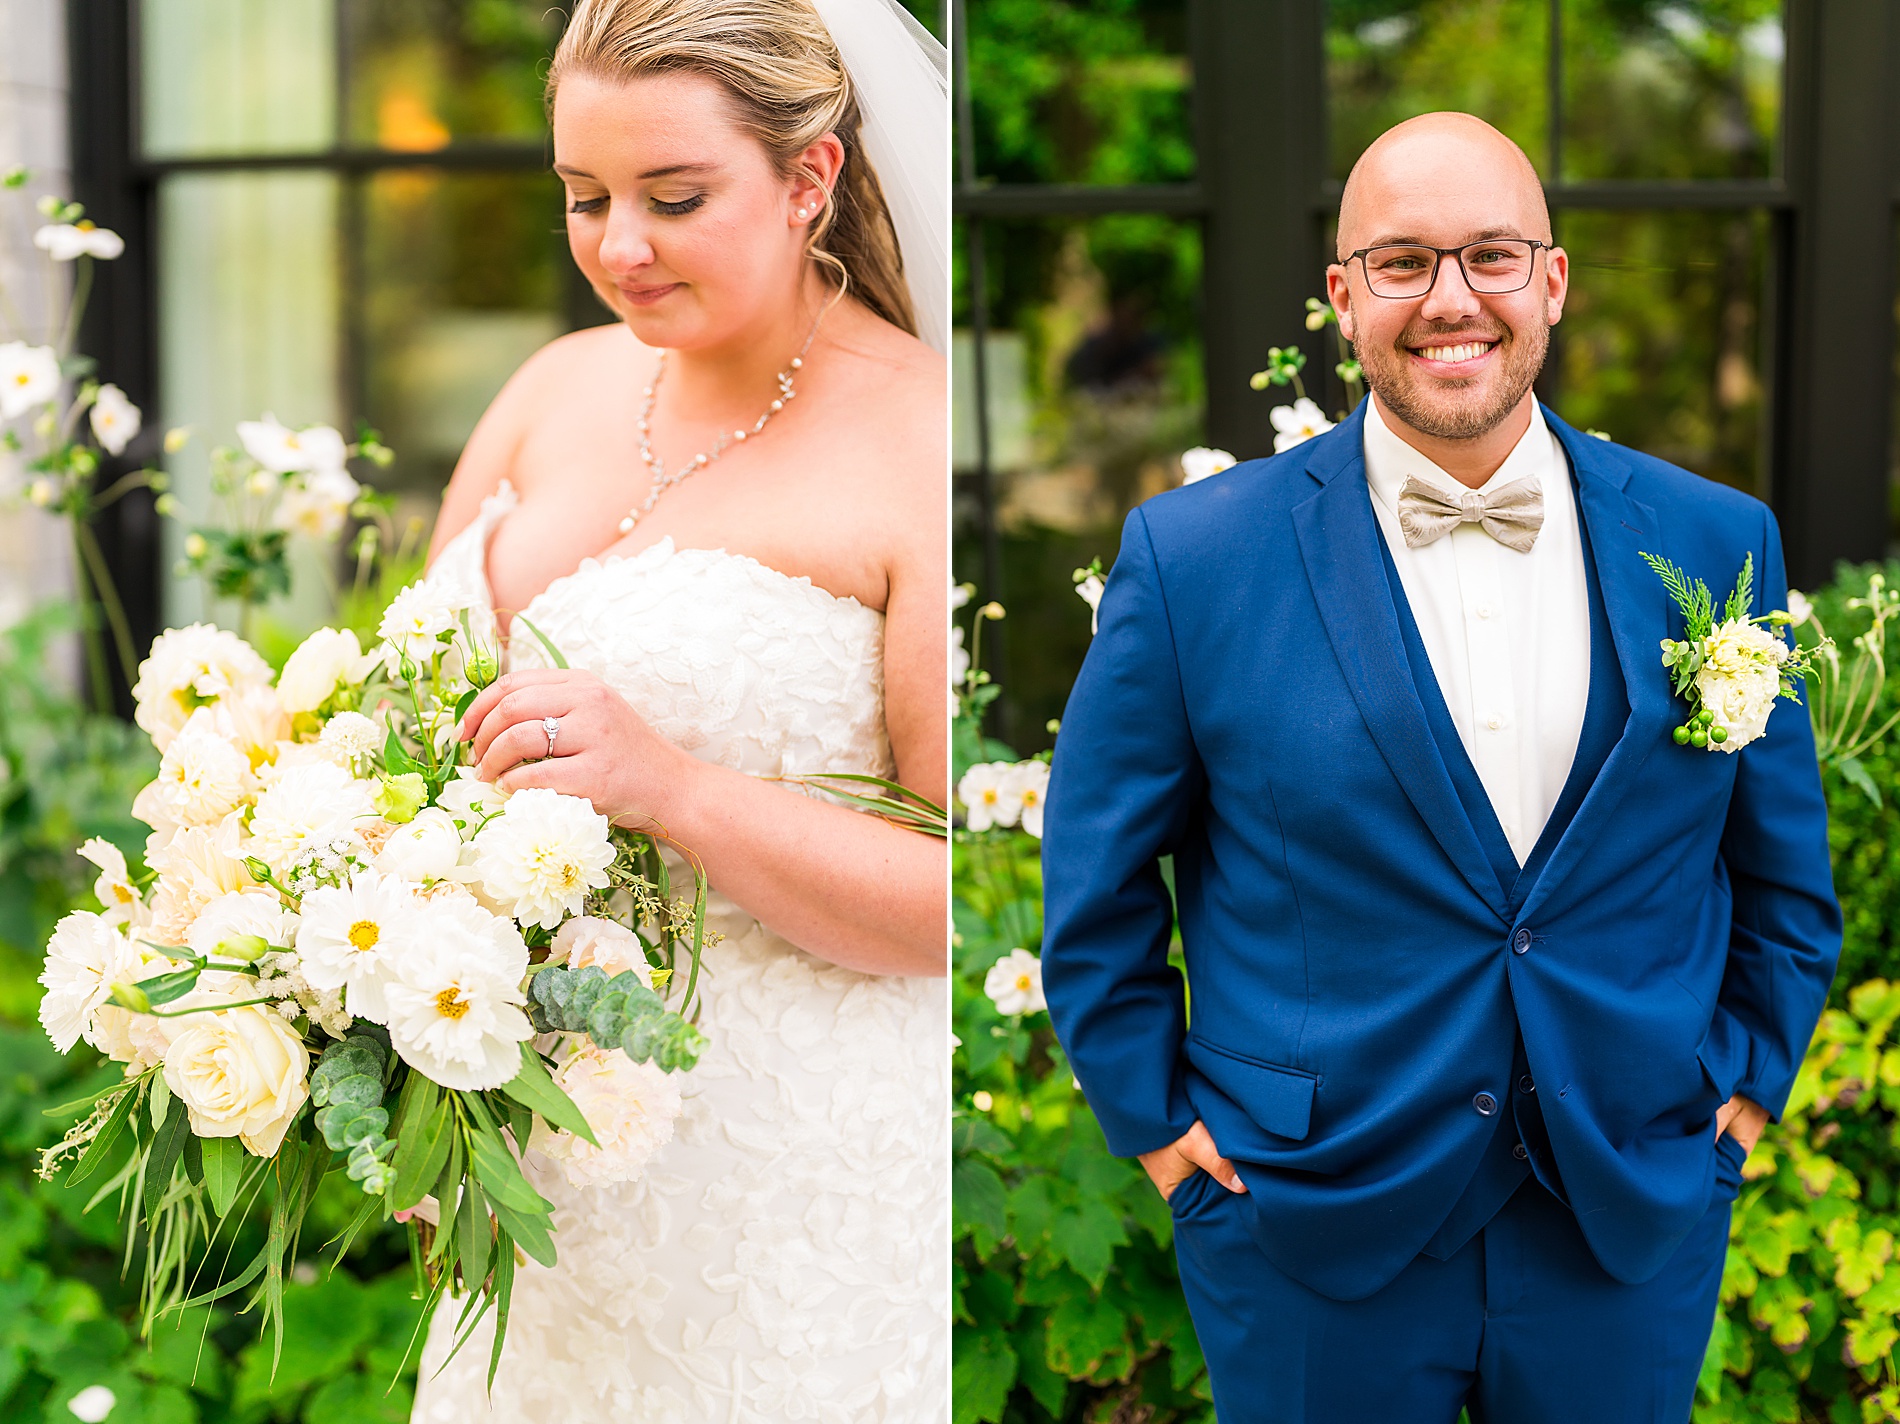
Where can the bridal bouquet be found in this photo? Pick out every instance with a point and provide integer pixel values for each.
(348, 952)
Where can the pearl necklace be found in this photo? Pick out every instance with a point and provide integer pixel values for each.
(662, 481)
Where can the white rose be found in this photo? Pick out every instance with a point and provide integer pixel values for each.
(630, 1106)
(241, 1073)
(1204, 460)
(1014, 984)
(429, 847)
(328, 657)
(586, 940)
(1739, 680)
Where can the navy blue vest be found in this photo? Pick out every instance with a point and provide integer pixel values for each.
(1518, 1145)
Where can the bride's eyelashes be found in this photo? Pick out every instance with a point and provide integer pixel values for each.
(587, 205)
(671, 210)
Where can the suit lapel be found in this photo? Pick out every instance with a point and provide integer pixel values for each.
(1338, 540)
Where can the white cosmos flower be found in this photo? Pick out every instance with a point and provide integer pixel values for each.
(29, 376)
(988, 793)
(328, 659)
(1297, 423)
(428, 847)
(586, 940)
(85, 957)
(67, 242)
(283, 451)
(541, 856)
(115, 420)
(351, 936)
(630, 1106)
(350, 735)
(308, 805)
(202, 777)
(187, 668)
(1014, 984)
(414, 623)
(242, 912)
(195, 865)
(455, 1001)
(1029, 785)
(317, 504)
(1204, 460)
(1740, 679)
(114, 886)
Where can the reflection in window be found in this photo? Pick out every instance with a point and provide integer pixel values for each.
(426, 72)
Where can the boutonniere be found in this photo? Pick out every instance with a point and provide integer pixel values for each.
(1731, 672)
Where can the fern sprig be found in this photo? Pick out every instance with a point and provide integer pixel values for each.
(1694, 599)
(1740, 601)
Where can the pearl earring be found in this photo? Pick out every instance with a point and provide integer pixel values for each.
(804, 212)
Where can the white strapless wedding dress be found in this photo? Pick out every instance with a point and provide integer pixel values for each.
(786, 1256)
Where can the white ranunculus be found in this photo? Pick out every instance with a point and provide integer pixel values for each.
(68, 242)
(283, 451)
(115, 420)
(427, 847)
(988, 793)
(1014, 984)
(471, 800)
(195, 865)
(242, 912)
(414, 623)
(1740, 679)
(455, 1001)
(1204, 460)
(329, 658)
(187, 668)
(305, 806)
(541, 856)
(92, 1404)
(350, 736)
(1090, 592)
(586, 940)
(630, 1106)
(1029, 784)
(29, 377)
(114, 887)
(317, 504)
(240, 1072)
(202, 777)
(351, 936)
(85, 957)
(1297, 423)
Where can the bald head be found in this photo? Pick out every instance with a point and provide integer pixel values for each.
(1441, 179)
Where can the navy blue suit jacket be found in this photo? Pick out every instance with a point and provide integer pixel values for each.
(1359, 975)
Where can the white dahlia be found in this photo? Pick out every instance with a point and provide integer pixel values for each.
(84, 959)
(187, 668)
(308, 806)
(351, 936)
(455, 1001)
(1740, 679)
(202, 777)
(541, 856)
(630, 1106)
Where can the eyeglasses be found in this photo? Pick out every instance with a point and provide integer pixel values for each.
(1493, 266)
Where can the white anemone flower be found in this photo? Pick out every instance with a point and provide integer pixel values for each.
(114, 887)
(85, 957)
(68, 242)
(988, 793)
(1204, 460)
(202, 777)
(115, 420)
(1799, 610)
(308, 806)
(283, 451)
(1297, 423)
(455, 1001)
(630, 1106)
(318, 504)
(187, 668)
(541, 856)
(29, 377)
(1014, 984)
(351, 936)
(1029, 784)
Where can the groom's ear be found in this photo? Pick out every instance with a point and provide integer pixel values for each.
(1339, 293)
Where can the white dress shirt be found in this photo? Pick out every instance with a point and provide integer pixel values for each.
(1508, 634)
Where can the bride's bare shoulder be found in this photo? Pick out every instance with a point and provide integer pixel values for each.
(569, 369)
(897, 389)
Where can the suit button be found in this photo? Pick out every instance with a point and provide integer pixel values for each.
(1526, 1085)
(1521, 1152)
(1485, 1104)
(1521, 941)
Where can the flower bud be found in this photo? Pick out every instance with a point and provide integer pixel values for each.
(42, 492)
(196, 546)
(482, 667)
(177, 438)
(166, 505)
(130, 996)
(248, 948)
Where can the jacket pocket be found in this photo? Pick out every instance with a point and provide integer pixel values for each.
(1278, 1099)
(1723, 1054)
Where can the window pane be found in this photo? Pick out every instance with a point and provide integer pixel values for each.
(1671, 88)
(247, 315)
(237, 76)
(1387, 60)
(1660, 343)
(1093, 367)
(1070, 93)
(462, 279)
(424, 73)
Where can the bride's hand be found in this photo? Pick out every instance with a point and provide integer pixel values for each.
(604, 751)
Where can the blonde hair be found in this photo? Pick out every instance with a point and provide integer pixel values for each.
(789, 88)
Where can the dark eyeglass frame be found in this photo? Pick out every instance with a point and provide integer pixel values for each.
(1439, 254)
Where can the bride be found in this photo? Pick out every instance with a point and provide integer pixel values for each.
(728, 511)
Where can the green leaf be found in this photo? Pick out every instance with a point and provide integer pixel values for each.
(1088, 1338)
(396, 761)
(500, 1175)
(533, 1088)
(167, 1145)
(1086, 1236)
(982, 1372)
(472, 1224)
(423, 1150)
(529, 1229)
(1854, 772)
(554, 653)
(979, 1205)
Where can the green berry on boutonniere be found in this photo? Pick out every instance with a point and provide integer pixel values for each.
(1729, 672)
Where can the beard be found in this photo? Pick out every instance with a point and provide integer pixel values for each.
(1456, 410)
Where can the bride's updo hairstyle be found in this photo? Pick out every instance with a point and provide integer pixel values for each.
(789, 89)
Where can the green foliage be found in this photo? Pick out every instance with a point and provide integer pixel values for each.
(621, 1012)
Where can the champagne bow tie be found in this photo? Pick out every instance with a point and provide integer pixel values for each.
(1512, 515)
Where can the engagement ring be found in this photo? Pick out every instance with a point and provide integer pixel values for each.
(552, 726)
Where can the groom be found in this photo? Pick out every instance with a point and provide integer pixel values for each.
(1494, 983)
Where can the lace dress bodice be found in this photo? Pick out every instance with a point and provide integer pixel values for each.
(786, 1255)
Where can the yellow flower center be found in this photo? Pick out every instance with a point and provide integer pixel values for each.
(365, 934)
(21, 379)
(990, 796)
(123, 894)
(449, 1004)
(570, 875)
(1022, 982)
(1030, 798)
